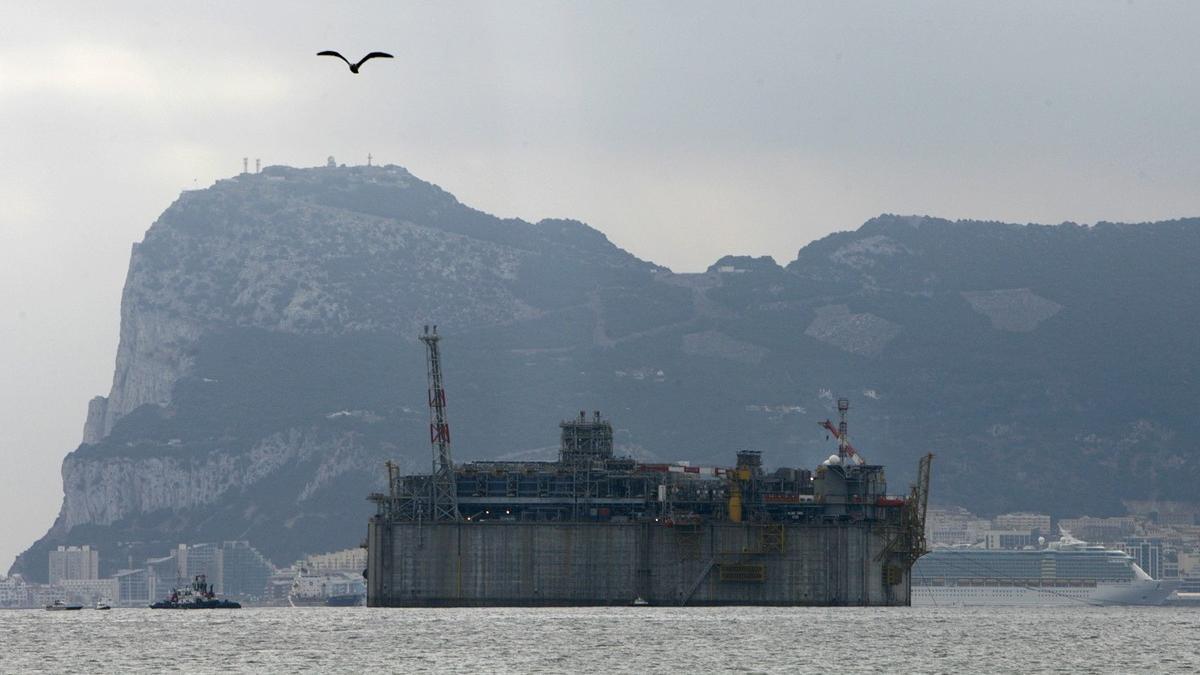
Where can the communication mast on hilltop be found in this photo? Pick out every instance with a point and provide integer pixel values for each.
(443, 491)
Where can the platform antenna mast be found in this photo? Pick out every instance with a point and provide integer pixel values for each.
(444, 492)
(846, 452)
(843, 439)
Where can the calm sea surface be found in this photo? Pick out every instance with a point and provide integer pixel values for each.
(636, 639)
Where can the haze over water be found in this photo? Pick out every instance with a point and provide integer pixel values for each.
(633, 639)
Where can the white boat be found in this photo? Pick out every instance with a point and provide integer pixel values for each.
(1069, 572)
(103, 603)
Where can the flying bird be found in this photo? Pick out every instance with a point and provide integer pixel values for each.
(355, 66)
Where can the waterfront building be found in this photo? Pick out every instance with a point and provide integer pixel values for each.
(1188, 563)
(199, 559)
(232, 567)
(87, 591)
(954, 527)
(1148, 553)
(241, 570)
(40, 595)
(351, 559)
(74, 562)
(168, 571)
(136, 588)
(1097, 530)
(279, 586)
(1023, 521)
(13, 592)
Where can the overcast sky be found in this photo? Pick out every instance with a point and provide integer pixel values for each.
(683, 130)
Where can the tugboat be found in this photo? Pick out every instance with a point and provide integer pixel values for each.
(197, 596)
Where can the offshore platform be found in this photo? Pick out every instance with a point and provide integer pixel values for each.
(592, 528)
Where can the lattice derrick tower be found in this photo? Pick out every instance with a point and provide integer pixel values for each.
(443, 492)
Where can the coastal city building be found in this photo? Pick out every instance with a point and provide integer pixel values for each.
(86, 591)
(240, 570)
(13, 592)
(954, 526)
(351, 559)
(1148, 553)
(199, 559)
(1188, 563)
(234, 568)
(1023, 521)
(136, 588)
(169, 571)
(1099, 529)
(74, 562)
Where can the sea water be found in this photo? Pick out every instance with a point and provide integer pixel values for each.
(586, 640)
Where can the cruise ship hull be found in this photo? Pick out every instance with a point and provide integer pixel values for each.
(1136, 592)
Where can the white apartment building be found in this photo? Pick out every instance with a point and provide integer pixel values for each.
(74, 562)
(1023, 521)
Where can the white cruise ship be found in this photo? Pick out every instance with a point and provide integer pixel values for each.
(1069, 572)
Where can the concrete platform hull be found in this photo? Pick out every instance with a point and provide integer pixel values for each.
(592, 564)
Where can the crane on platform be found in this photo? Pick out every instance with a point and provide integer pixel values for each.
(919, 499)
(909, 542)
(443, 491)
(846, 452)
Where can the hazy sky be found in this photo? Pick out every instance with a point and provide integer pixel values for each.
(683, 130)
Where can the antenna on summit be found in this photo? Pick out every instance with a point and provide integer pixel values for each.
(245, 165)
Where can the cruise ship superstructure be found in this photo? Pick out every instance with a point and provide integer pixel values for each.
(1069, 572)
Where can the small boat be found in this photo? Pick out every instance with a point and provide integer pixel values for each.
(103, 603)
(59, 606)
(199, 595)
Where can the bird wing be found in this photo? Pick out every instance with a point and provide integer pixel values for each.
(333, 53)
(382, 55)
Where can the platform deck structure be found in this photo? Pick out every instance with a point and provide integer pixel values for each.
(594, 529)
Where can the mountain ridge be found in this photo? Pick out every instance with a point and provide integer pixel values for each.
(268, 363)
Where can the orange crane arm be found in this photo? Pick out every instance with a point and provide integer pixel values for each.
(834, 432)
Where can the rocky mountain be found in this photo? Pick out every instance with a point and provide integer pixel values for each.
(268, 362)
